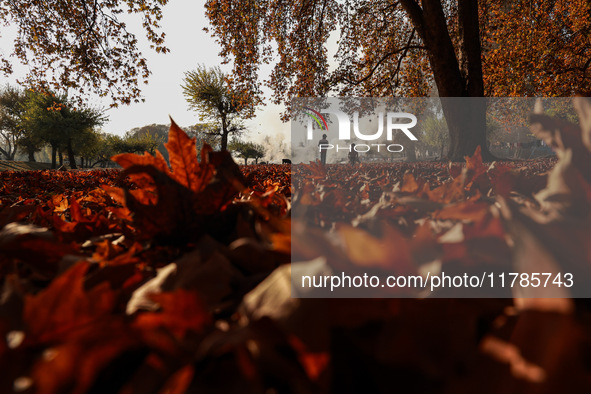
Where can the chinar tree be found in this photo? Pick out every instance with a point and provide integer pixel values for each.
(56, 121)
(208, 92)
(463, 48)
(84, 46)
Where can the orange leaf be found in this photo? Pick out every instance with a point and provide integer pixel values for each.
(183, 159)
(127, 160)
(314, 363)
(65, 305)
(182, 311)
(391, 251)
(465, 210)
(474, 163)
(409, 184)
(179, 382)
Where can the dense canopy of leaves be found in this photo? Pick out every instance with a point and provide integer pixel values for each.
(408, 48)
(536, 48)
(81, 45)
(529, 48)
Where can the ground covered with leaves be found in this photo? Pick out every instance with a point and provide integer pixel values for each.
(173, 279)
(22, 165)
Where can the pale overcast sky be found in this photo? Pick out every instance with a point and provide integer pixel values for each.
(183, 22)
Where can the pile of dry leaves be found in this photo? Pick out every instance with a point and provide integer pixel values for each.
(159, 279)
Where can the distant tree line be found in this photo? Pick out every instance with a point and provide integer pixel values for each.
(31, 121)
(247, 150)
(51, 125)
(203, 132)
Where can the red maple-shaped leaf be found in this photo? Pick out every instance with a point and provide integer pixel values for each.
(186, 170)
(66, 305)
(175, 205)
(77, 332)
(143, 181)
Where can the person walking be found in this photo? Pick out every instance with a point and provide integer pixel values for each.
(323, 144)
(353, 155)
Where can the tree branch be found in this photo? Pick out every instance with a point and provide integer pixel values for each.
(383, 59)
(399, 65)
(415, 13)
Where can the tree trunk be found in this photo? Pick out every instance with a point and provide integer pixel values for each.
(31, 153)
(61, 157)
(467, 130)
(53, 156)
(10, 151)
(411, 151)
(470, 50)
(472, 131)
(71, 156)
(466, 122)
(224, 141)
(224, 135)
(440, 49)
(5, 153)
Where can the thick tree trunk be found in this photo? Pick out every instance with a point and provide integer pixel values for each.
(440, 49)
(466, 122)
(470, 50)
(60, 155)
(53, 156)
(472, 130)
(71, 156)
(31, 153)
(455, 78)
